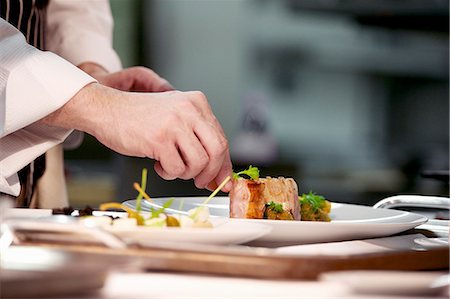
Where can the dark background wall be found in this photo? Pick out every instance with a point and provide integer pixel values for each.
(350, 98)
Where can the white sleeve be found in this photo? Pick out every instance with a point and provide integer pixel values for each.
(33, 84)
(81, 31)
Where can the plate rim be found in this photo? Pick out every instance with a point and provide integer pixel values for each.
(420, 219)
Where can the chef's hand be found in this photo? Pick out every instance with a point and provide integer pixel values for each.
(177, 129)
(131, 79)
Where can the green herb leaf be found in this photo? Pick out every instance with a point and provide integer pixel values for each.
(276, 207)
(156, 213)
(312, 199)
(251, 172)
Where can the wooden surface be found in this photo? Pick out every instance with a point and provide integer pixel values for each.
(261, 263)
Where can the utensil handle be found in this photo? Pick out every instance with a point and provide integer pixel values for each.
(414, 201)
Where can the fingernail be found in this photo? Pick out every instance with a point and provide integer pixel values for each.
(199, 186)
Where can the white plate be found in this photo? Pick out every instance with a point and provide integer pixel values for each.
(62, 228)
(39, 272)
(224, 232)
(349, 221)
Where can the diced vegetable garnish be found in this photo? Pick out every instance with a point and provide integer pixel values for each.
(276, 211)
(199, 214)
(159, 221)
(198, 217)
(185, 221)
(314, 207)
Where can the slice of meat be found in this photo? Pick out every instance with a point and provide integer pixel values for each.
(284, 191)
(249, 197)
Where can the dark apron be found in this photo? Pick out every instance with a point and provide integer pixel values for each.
(29, 16)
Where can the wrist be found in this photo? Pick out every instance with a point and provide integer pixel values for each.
(82, 111)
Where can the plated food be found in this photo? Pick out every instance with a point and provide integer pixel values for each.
(265, 198)
(348, 221)
(253, 197)
(196, 217)
(314, 207)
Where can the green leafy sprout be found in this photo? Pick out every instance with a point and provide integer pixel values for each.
(156, 213)
(276, 207)
(143, 186)
(251, 172)
(314, 200)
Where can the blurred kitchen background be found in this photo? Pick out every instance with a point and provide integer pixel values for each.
(351, 98)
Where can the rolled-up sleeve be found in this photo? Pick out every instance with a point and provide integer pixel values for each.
(81, 31)
(33, 84)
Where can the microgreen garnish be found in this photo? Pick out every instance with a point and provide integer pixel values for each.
(251, 172)
(180, 206)
(314, 200)
(276, 207)
(139, 189)
(143, 186)
(156, 213)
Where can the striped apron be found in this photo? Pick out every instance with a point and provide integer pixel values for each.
(29, 16)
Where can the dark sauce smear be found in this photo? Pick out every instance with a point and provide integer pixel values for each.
(87, 211)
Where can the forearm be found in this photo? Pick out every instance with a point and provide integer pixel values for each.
(85, 111)
(32, 83)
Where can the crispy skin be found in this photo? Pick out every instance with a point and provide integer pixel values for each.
(249, 197)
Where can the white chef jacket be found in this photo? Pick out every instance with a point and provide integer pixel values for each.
(35, 83)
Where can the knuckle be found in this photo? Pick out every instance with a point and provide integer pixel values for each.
(200, 183)
(220, 149)
(166, 176)
(201, 163)
(188, 104)
(199, 97)
(203, 160)
(189, 108)
(142, 70)
(159, 137)
(177, 170)
(203, 179)
(196, 167)
(198, 94)
(223, 142)
(186, 176)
